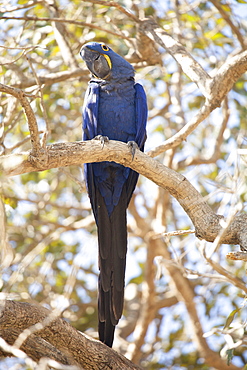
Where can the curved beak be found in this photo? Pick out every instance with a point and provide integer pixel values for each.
(97, 63)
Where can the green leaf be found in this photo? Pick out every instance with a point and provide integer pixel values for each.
(230, 318)
(229, 353)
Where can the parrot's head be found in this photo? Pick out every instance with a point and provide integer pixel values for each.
(104, 63)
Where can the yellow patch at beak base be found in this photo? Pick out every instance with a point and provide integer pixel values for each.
(108, 59)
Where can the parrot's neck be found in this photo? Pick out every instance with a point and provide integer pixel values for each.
(120, 75)
(115, 84)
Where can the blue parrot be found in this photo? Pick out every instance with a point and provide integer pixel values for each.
(115, 107)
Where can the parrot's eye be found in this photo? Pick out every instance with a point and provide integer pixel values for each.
(104, 47)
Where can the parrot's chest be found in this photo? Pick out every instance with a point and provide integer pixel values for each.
(116, 118)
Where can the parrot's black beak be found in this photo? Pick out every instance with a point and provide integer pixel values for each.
(88, 55)
(96, 62)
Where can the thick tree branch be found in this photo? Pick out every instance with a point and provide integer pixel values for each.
(189, 65)
(58, 340)
(227, 75)
(214, 89)
(206, 222)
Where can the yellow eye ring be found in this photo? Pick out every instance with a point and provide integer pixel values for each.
(104, 47)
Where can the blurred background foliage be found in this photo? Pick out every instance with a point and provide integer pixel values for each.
(52, 255)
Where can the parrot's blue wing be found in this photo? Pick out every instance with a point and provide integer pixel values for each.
(141, 121)
(90, 119)
(141, 115)
(90, 111)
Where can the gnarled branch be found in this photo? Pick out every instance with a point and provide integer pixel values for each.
(206, 222)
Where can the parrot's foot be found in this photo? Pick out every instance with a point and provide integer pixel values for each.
(132, 146)
(103, 139)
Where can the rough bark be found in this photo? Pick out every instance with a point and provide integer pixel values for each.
(58, 340)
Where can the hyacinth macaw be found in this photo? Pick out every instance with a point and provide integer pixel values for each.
(115, 107)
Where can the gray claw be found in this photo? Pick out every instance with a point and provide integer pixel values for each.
(103, 139)
(132, 146)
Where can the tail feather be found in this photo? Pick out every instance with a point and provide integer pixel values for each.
(112, 237)
(105, 326)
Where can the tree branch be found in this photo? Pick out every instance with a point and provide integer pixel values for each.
(227, 75)
(51, 78)
(63, 20)
(189, 65)
(148, 304)
(206, 222)
(116, 5)
(186, 294)
(195, 161)
(214, 89)
(61, 36)
(58, 340)
(20, 7)
(31, 119)
(228, 20)
(185, 131)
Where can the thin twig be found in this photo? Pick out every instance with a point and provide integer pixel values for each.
(21, 47)
(148, 310)
(230, 277)
(173, 233)
(222, 271)
(240, 256)
(42, 104)
(73, 178)
(52, 235)
(52, 78)
(20, 143)
(186, 294)
(117, 6)
(20, 7)
(228, 20)
(192, 161)
(181, 135)
(30, 48)
(61, 36)
(31, 119)
(71, 21)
